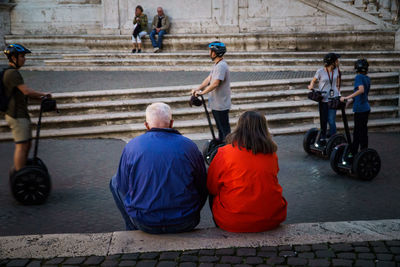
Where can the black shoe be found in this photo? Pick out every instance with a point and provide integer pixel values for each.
(139, 51)
(133, 50)
(321, 142)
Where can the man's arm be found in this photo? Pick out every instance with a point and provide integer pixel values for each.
(214, 84)
(202, 85)
(30, 92)
(154, 23)
(166, 26)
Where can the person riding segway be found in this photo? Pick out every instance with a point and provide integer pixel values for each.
(345, 158)
(317, 141)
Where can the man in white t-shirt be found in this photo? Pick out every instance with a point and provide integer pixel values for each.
(218, 85)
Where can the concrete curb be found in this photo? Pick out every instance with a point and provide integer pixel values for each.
(102, 244)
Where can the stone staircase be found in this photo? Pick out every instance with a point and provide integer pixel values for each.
(120, 113)
(387, 10)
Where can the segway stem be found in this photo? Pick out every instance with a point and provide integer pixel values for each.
(346, 125)
(208, 117)
(39, 124)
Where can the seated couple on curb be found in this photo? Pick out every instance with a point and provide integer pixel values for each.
(161, 183)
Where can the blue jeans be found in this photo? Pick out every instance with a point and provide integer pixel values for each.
(160, 38)
(133, 224)
(328, 116)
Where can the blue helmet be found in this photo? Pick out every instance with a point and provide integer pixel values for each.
(15, 49)
(218, 47)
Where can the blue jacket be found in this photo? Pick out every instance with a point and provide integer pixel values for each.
(163, 178)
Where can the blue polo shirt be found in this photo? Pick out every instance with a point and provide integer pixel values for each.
(361, 101)
(162, 177)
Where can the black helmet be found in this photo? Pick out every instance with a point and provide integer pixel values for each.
(195, 101)
(14, 50)
(361, 65)
(330, 59)
(218, 47)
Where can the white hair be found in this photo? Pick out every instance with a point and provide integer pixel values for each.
(158, 115)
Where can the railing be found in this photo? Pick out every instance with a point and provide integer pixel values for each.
(388, 10)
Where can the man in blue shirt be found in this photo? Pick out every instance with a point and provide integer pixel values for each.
(160, 186)
(361, 108)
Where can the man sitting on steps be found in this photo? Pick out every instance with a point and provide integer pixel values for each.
(160, 185)
(160, 26)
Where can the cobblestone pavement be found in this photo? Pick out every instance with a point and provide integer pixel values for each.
(57, 81)
(363, 254)
(80, 201)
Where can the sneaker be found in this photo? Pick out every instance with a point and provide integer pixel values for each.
(133, 50)
(156, 49)
(139, 51)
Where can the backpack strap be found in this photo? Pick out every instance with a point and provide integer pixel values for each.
(13, 91)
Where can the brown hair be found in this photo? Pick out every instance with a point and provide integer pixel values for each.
(139, 7)
(252, 134)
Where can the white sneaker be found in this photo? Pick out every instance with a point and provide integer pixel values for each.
(156, 49)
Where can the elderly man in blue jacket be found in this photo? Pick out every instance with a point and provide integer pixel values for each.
(160, 185)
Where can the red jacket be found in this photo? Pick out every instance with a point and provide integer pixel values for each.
(247, 195)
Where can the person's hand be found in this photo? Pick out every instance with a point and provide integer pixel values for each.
(342, 99)
(137, 19)
(158, 30)
(310, 87)
(196, 93)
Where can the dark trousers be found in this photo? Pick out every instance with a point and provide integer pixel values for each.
(327, 115)
(222, 120)
(157, 43)
(360, 134)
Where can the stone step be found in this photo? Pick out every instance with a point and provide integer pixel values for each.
(272, 97)
(190, 128)
(288, 41)
(375, 62)
(196, 114)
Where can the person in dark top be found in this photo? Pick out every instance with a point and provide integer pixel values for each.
(18, 92)
(160, 26)
(160, 185)
(361, 108)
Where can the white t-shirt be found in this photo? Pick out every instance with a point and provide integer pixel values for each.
(220, 98)
(327, 82)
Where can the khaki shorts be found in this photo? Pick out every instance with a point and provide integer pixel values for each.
(21, 129)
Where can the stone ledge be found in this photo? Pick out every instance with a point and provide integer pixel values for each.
(102, 244)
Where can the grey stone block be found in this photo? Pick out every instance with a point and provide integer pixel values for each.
(319, 247)
(190, 258)
(18, 262)
(231, 259)
(276, 260)
(268, 248)
(128, 263)
(319, 262)
(112, 257)
(304, 248)
(267, 254)
(149, 256)
(254, 260)
(364, 263)
(225, 251)
(360, 244)
(362, 249)
(384, 257)
(246, 252)
(366, 256)
(203, 264)
(381, 250)
(349, 256)
(146, 263)
(393, 243)
(188, 264)
(395, 250)
(190, 252)
(222, 265)
(169, 255)
(93, 260)
(34, 263)
(285, 247)
(207, 252)
(55, 261)
(130, 256)
(167, 264)
(297, 261)
(76, 260)
(325, 254)
(109, 263)
(287, 253)
(341, 262)
(385, 264)
(376, 243)
(342, 247)
(208, 259)
(306, 255)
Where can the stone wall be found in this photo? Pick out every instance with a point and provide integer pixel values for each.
(5, 22)
(191, 16)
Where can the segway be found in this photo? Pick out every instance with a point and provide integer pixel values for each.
(365, 165)
(210, 148)
(312, 138)
(31, 185)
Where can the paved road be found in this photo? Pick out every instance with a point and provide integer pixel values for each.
(363, 254)
(81, 202)
(96, 80)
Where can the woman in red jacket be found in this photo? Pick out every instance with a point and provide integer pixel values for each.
(242, 179)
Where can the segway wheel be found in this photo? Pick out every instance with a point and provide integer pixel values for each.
(210, 149)
(309, 139)
(30, 185)
(367, 164)
(336, 157)
(333, 142)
